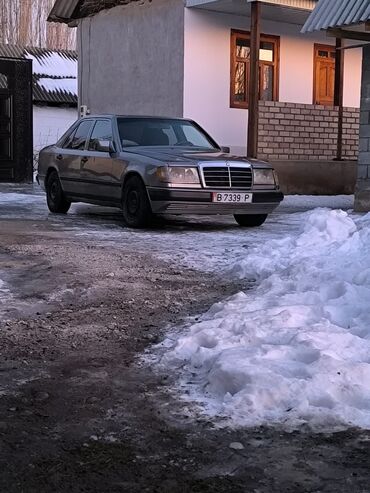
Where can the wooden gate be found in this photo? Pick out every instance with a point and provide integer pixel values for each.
(16, 133)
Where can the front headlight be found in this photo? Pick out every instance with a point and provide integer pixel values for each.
(178, 175)
(263, 177)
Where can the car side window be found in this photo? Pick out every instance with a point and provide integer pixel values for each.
(68, 140)
(79, 137)
(102, 132)
(193, 136)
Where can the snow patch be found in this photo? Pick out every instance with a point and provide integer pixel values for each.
(18, 198)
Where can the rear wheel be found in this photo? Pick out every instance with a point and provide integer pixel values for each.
(136, 208)
(250, 220)
(55, 197)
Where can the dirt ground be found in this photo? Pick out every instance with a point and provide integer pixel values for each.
(79, 412)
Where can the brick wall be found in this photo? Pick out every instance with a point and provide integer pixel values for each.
(291, 131)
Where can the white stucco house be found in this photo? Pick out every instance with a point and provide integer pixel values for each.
(192, 58)
(54, 91)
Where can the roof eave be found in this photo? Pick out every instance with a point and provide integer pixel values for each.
(70, 11)
(63, 11)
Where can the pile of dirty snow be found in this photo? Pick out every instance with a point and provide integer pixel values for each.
(296, 349)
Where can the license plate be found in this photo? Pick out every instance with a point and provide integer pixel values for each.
(232, 197)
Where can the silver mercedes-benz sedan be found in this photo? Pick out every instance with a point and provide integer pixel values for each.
(151, 165)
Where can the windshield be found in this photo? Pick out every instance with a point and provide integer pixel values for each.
(162, 132)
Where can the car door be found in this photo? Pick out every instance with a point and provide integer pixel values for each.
(96, 164)
(69, 156)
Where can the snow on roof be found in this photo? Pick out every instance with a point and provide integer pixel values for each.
(54, 73)
(53, 64)
(58, 85)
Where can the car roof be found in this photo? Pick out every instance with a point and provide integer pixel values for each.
(110, 115)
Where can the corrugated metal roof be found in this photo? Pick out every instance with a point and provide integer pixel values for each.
(54, 73)
(63, 10)
(295, 4)
(337, 13)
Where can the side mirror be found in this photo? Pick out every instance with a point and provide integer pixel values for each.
(112, 147)
(103, 145)
(225, 149)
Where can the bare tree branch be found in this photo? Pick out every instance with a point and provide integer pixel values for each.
(23, 22)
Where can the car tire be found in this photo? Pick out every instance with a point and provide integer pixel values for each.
(55, 197)
(250, 220)
(136, 208)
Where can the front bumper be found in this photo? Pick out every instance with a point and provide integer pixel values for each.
(180, 201)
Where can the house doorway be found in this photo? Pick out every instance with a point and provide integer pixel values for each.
(324, 74)
(16, 142)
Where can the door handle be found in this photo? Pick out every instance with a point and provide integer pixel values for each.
(84, 160)
(59, 157)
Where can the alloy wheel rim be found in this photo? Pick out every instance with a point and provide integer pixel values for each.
(54, 190)
(132, 202)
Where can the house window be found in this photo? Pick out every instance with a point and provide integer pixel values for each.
(240, 61)
(324, 74)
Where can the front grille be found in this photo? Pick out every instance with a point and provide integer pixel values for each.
(227, 177)
(216, 177)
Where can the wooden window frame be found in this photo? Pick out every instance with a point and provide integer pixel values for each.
(233, 60)
(316, 48)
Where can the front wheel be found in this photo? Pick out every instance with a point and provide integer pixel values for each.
(250, 220)
(136, 208)
(55, 197)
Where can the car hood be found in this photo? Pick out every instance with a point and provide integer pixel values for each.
(178, 155)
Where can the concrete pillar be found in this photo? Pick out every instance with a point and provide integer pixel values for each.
(362, 192)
